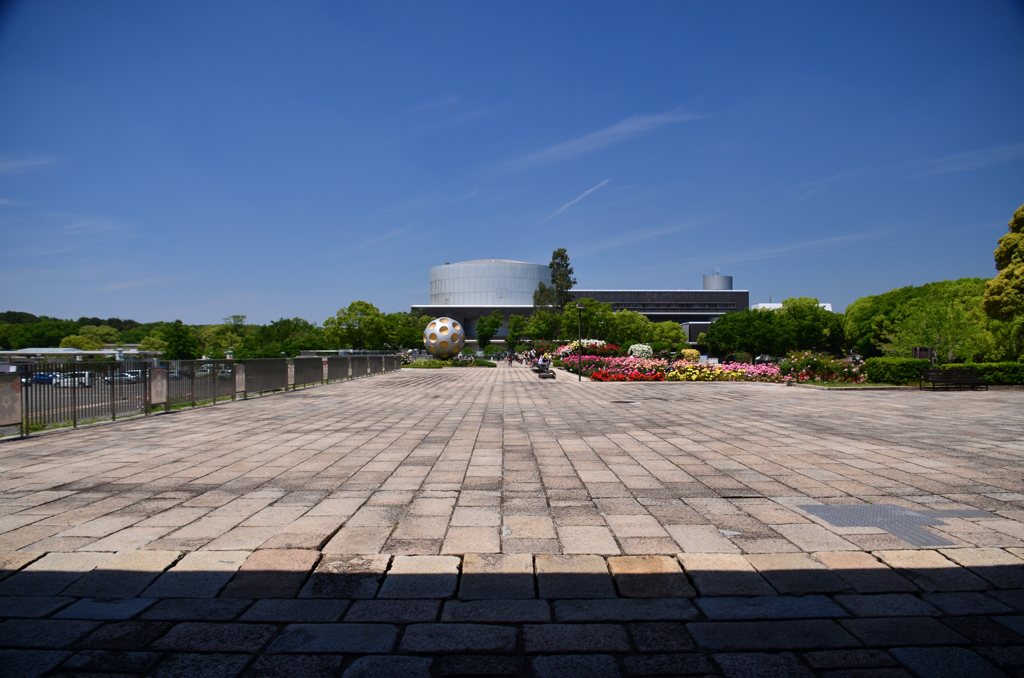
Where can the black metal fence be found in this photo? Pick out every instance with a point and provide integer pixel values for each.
(61, 394)
(337, 367)
(266, 374)
(308, 371)
(55, 394)
(197, 382)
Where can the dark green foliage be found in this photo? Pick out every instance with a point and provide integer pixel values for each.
(487, 327)
(287, 335)
(516, 330)
(181, 342)
(561, 277)
(116, 323)
(544, 296)
(43, 334)
(484, 363)
(752, 331)
(1004, 295)
(997, 373)
(869, 318)
(18, 317)
(739, 357)
(895, 370)
(543, 326)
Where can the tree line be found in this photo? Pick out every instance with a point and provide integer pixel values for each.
(971, 319)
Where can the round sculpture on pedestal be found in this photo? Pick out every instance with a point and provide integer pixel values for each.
(444, 338)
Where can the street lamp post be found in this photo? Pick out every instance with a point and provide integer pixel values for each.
(579, 344)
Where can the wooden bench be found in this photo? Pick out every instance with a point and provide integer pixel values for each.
(953, 379)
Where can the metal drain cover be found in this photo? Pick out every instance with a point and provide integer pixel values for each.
(625, 402)
(896, 520)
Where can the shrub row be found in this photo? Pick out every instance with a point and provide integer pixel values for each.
(997, 373)
(895, 370)
(907, 370)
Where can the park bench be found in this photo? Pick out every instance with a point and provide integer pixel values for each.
(543, 371)
(956, 379)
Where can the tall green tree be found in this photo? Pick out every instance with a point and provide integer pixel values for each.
(1004, 294)
(753, 331)
(359, 325)
(487, 327)
(561, 277)
(516, 330)
(867, 319)
(667, 333)
(543, 325)
(812, 327)
(181, 342)
(598, 321)
(954, 328)
(405, 330)
(545, 296)
(285, 335)
(629, 327)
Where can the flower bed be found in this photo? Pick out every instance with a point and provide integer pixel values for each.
(805, 367)
(687, 371)
(591, 347)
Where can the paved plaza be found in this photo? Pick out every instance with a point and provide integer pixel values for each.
(473, 522)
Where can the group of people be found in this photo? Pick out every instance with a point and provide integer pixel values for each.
(529, 358)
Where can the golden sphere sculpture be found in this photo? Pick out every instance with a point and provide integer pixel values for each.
(444, 338)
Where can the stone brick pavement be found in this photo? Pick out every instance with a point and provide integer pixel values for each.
(483, 522)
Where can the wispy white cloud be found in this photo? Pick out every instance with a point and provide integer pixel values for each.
(94, 226)
(961, 162)
(617, 133)
(572, 202)
(630, 238)
(18, 165)
(793, 249)
(432, 200)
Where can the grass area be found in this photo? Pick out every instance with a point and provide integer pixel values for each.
(438, 364)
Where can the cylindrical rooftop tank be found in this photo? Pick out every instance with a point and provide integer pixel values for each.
(718, 282)
(486, 282)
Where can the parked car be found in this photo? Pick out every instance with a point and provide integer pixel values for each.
(204, 370)
(38, 378)
(177, 375)
(225, 373)
(121, 378)
(68, 379)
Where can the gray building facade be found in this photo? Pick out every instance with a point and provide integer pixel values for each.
(470, 290)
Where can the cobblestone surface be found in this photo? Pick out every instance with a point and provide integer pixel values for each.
(483, 522)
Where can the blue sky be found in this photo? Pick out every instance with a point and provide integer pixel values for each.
(196, 160)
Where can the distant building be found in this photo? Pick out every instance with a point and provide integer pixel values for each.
(470, 290)
(773, 306)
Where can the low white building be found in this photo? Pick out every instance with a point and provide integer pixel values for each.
(773, 306)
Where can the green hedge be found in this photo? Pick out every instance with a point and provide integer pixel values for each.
(895, 370)
(997, 373)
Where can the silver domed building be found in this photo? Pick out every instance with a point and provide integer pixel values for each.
(469, 290)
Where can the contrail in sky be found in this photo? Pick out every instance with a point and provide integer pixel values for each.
(582, 195)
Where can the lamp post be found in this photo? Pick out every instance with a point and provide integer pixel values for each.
(579, 344)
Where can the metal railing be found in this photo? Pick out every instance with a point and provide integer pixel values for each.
(56, 394)
(337, 368)
(266, 374)
(308, 371)
(45, 394)
(197, 382)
